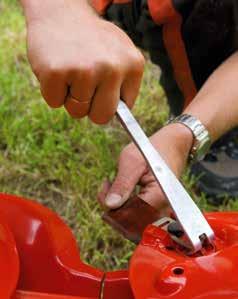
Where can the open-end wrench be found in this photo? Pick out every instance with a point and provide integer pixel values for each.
(194, 224)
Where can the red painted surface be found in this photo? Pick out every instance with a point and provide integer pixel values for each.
(31, 295)
(158, 272)
(49, 257)
(9, 263)
(50, 265)
(117, 286)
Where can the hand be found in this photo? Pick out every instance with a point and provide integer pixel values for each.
(173, 143)
(80, 60)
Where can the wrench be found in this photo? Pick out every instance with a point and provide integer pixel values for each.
(194, 224)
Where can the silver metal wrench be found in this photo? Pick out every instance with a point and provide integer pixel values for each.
(194, 224)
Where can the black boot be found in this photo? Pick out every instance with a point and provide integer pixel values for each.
(218, 172)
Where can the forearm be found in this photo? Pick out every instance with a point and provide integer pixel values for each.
(34, 10)
(216, 104)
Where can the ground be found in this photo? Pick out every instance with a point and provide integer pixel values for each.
(60, 162)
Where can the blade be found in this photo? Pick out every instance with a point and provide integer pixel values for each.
(186, 211)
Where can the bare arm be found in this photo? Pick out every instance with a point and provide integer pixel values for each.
(216, 105)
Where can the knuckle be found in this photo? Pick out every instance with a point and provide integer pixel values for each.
(111, 69)
(53, 69)
(131, 155)
(88, 72)
(48, 72)
(123, 183)
(129, 152)
(138, 66)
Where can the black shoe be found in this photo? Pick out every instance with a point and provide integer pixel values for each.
(218, 172)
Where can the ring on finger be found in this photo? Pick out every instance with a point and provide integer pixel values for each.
(77, 99)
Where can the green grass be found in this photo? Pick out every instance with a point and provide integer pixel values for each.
(46, 155)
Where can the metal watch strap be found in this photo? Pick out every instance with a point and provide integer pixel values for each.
(202, 139)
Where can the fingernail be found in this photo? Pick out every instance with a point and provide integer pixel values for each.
(113, 201)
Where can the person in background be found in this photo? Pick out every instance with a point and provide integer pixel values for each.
(86, 63)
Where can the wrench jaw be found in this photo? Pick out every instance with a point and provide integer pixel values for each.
(177, 234)
(203, 242)
(201, 238)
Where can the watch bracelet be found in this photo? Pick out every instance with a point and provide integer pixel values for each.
(199, 132)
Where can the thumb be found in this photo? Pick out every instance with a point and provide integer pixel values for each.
(129, 173)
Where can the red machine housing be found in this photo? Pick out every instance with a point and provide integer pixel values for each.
(165, 271)
(39, 259)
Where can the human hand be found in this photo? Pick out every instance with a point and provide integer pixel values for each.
(80, 60)
(173, 143)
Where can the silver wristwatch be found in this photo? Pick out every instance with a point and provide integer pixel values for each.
(202, 139)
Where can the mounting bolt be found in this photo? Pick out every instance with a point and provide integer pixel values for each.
(175, 229)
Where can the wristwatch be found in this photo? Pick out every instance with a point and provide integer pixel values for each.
(202, 138)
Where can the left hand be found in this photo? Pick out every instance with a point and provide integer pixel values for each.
(173, 143)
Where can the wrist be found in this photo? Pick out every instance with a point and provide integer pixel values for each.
(174, 142)
(181, 137)
(35, 10)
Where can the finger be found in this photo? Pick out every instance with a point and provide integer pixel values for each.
(75, 108)
(83, 84)
(82, 89)
(152, 193)
(54, 89)
(103, 192)
(105, 100)
(131, 85)
(129, 173)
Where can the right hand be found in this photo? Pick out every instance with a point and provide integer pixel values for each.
(82, 61)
